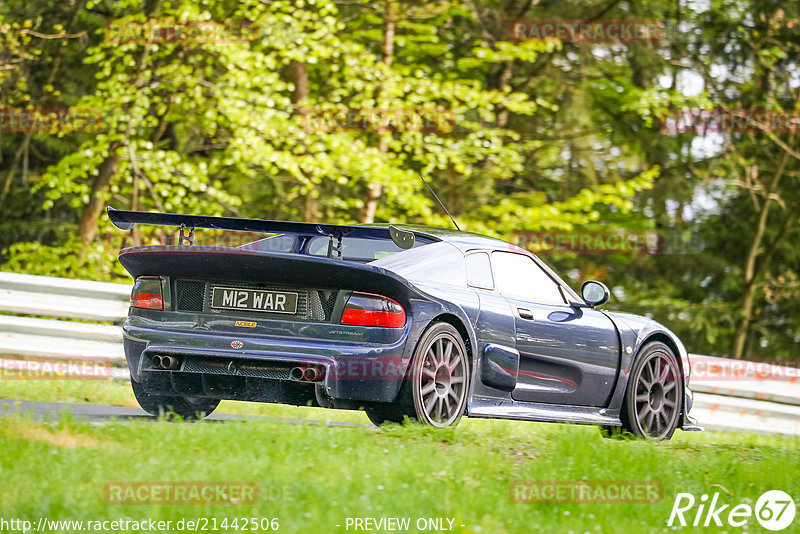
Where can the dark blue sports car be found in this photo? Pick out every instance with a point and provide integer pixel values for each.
(400, 321)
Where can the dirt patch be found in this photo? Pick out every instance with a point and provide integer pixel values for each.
(525, 454)
(63, 438)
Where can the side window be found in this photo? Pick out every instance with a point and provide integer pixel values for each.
(479, 271)
(519, 276)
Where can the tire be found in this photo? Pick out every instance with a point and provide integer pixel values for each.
(439, 369)
(381, 415)
(188, 408)
(654, 398)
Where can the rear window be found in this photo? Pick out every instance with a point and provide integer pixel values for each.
(275, 243)
(359, 248)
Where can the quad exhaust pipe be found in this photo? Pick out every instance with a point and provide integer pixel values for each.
(168, 363)
(306, 374)
(298, 374)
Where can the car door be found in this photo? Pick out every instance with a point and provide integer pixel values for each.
(568, 354)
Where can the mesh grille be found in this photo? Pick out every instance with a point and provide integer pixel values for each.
(189, 295)
(327, 299)
(249, 368)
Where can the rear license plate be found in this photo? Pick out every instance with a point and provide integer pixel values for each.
(228, 298)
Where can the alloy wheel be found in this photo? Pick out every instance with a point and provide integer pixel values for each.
(441, 383)
(657, 398)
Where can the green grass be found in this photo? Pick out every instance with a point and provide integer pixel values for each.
(312, 477)
(120, 394)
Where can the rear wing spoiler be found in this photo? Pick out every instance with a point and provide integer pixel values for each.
(126, 220)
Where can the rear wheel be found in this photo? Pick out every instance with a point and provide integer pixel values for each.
(186, 407)
(654, 398)
(435, 389)
(380, 415)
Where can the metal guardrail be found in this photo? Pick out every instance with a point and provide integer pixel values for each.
(62, 298)
(745, 395)
(729, 394)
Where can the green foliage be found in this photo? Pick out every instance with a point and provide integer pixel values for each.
(70, 260)
(538, 135)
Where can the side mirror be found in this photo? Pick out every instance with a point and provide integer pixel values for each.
(594, 293)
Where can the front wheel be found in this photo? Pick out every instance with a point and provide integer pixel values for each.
(654, 398)
(434, 391)
(186, 407)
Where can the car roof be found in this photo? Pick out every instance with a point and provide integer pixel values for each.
(466, 241)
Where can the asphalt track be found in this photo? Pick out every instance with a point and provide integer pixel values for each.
(97, 413)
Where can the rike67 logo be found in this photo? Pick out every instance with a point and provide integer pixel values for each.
(774, 510)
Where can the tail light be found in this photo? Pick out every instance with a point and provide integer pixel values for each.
(365, 309)
(146, 293)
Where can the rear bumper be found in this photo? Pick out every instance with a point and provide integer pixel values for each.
(260, 369)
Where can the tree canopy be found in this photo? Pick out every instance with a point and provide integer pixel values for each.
(333, 110)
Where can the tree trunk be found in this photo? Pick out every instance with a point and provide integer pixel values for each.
(92, 211)
(375, 189)
(309, 209)
(13, 168)
(298, 76)
(108, 169)
(504, 82)
(750, 271)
